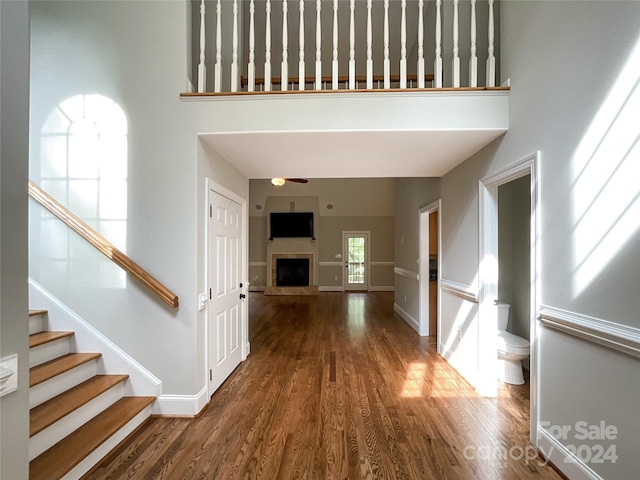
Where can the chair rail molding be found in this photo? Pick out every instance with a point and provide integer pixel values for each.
(461, 290)
(403, 272)
(612, 335)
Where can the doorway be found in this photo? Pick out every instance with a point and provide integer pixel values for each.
(226, 313)
(514, 255)
(355, 252)
(489, 273)
(429, 268)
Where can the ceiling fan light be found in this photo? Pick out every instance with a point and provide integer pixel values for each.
(277, 182)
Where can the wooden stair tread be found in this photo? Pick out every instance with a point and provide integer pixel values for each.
(66, 454)
(50, 369)
(41, 338)
(33, 313)
(58, 407)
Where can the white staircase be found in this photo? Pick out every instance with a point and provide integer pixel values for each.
(78, 414)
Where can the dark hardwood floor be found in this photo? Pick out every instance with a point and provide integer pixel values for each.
(337, 387)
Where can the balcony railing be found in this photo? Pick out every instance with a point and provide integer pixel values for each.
(316, 45)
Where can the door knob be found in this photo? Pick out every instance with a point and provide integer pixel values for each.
(242, 295)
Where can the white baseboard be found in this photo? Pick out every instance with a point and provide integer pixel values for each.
(413, 323)
(114, 360)
(570, 465)
(257, 288)
(182, 405)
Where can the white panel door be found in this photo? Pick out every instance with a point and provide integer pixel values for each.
(226, 300)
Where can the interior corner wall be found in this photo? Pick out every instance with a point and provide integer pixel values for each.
(14, 154)
(568, 86)
(411, 195)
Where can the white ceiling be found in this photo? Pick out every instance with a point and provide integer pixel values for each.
(349, 154)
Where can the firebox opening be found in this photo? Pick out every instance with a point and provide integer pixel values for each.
(292, 272)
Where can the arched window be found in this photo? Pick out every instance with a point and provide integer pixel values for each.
(84, 166)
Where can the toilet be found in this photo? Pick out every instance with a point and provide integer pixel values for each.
(511, 349)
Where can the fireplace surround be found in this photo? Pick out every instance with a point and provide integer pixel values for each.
(292, 274)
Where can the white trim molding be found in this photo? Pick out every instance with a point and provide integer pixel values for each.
(612, 335)
(403, 272)
(461, 290)
(182, 405)
(412, 322)
(87, 338)
(558, 454)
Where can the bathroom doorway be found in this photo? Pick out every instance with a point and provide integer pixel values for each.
(514, 256)
(496, 244)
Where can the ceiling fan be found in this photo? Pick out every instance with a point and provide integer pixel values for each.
(278, 182)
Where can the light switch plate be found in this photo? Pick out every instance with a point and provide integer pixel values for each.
(8, 374)
(202, 301)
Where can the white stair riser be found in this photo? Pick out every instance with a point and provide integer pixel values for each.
(70, 423)
(99, 453)
(55, 386)
(37, 323)
(49, 351)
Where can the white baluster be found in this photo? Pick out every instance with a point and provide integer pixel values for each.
(251, 69)
(334, 63)
(318, 85)
(403, 45)
(473, 60)
(202, 69)
(234, 62)
(491, 61)
(437, 66)
(284, 81)
(352, 46)
(267, 52)
(369, 48)
(301, 69)
(455, 66)
(387, 67)
(217, 72)
(420, 44)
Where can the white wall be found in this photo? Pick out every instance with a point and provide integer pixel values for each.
(142, 65)
(14, 151)
(411, 195)
(561, 76)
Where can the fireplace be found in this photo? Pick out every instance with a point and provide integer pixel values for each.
(292, 272)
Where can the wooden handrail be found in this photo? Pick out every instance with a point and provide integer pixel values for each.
(101, 243)
(244, 81)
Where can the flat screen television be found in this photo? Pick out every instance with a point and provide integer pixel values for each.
(291, 225)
